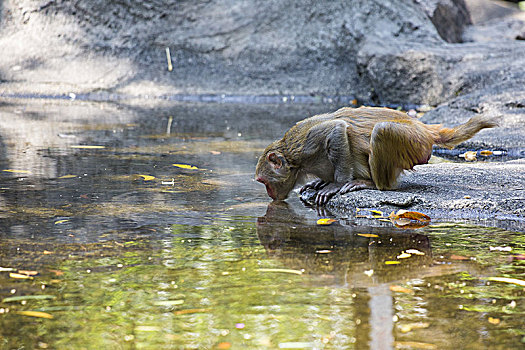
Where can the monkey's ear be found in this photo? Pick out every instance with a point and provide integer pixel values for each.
(275, 160)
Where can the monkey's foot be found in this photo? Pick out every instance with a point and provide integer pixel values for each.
(314, 185)
(356, 185)
(327, 192)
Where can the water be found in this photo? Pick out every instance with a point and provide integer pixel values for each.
(124, 250)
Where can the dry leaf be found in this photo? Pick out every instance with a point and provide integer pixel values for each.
(28, 272)
(458, 257)
(67, 176)
(38, 314)
(190, 311)
(147, 177)
(367, 235)
(486, 153)
(414, 251)
(224, 345)
(411, 326)
(494, 321)
(325, 221)
(19, 276)
(395, 288)
(17, 171)
(186, 166)
(392, 262)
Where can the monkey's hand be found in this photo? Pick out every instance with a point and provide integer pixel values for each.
(356, 185)
(313, 185)
(327, 192)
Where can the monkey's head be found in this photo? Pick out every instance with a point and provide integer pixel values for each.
(276, 173)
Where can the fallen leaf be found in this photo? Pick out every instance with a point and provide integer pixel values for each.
(494, 321)
(87, 146)
(215, 153)
(369, 273)
(458, 257)
(224, 345)
(396, 288)
(57, 272)
(486, 153)
(414, 251)
(61, 221)
(38, 314)
(147, 177)
(411, 326)
(325, 221)
(404, 255)
(507, 280)
(186, 166)
(16, 171)
(28, 272)
(47, 252)
(19, 276)
(67, 177)
(323, 251)
(391, 262)
(190, 311)
(296, 272)
(367, 235)
(409, 219)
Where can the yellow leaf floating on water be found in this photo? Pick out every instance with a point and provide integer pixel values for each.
(17, 171)
(87, 146)
(325, 221)
(61, 221)
(186, 166)
(390, 262)
(19, 276)
(69, 176)
(367, 235)
(414, 251)
(396, 288)
(507, 280)
(494, 321)
(38, 314)
(147, 177)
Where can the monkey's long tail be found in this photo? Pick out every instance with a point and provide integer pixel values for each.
(450, 137)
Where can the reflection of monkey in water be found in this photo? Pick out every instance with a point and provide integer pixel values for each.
(341, 253)
(352, 149)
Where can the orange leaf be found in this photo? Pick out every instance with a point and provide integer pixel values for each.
(458, 257)
(224, 345)
(400, 289)
(190, 311)
(28, 272)
(38, 314)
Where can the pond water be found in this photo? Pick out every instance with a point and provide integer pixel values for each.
(129, 227)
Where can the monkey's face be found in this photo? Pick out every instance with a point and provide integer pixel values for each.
(274, 171)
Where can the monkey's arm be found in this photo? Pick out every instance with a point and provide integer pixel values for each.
(397, 146)
(330, 158)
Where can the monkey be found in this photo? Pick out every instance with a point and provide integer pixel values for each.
(353, 149)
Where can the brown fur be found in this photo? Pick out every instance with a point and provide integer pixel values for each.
(352, 149)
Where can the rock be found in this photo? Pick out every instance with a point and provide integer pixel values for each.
(388, 52)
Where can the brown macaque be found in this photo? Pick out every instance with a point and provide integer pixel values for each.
(355, 148)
